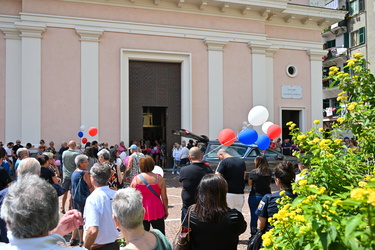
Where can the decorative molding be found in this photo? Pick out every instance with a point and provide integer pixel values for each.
(258, 8)
(89, 35)
(203, 5)
(31, 29)
(265, 12)
(271, 51)
(215, 44)
(11, 33)
(306, 20)
(224, 7)
(288, 18)
(315, 54)
(323, 22)
(270, 16)
(259, 48)
(180, 3)
(245, 10)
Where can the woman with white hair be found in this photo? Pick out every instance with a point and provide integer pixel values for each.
(103, 157)
(30, 218)
(128, 215)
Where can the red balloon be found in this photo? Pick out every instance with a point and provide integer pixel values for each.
(274, 131)
(227, 137)
(84, 140)
(93, 131)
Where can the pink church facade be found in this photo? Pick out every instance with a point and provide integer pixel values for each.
(65, 63)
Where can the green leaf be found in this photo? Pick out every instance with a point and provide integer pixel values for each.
(352, 225)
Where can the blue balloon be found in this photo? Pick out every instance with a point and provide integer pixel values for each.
(80, 134)
(263, 142)
(248, 136)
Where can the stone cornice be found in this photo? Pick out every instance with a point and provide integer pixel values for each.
(31, 29)
(89, 35)
(259, 48)
(266, 10)
(11, 33)
(215, 44)
(316, 55)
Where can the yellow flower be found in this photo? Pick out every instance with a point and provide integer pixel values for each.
(267, 238)
(341, 119)
(342, 93)
(321, 190)
(345, 74)
(302, 182)
(351, 107)
(292, 126)
(358, 55)
(354, 103)
(331, 73)
(351, 62)
(367, 177)
(358, 194)
(371, 198)
(355, 77)
(342, 98)
(334, 68)
(338, 141)
(362, 183)
(289, 123)
(301, 137)
(320, 129)
(316, 140)
(282, 192)
(317, 122)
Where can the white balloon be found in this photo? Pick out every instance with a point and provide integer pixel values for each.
(158, 170)
(82, 127)
(258, 115)
(244, 123)
(265, 126)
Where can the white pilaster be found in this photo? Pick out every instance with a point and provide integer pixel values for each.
(215, 87)
(260, 91)
(13, 84)
(270, 83)
(316, 84)
(90, 77)
(30, 97)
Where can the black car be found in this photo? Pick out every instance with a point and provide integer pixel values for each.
(247, 152)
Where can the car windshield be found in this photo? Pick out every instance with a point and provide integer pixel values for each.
(233, 150)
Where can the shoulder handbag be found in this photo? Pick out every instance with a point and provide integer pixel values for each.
(182, 238)
(255, 241)
(148, 186)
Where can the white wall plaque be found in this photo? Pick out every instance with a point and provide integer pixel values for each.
(291, 92)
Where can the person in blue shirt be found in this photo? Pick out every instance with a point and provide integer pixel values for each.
(268, 206)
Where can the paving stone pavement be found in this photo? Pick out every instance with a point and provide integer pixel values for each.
(173, 221)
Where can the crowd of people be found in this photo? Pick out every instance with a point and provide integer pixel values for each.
(106, 192)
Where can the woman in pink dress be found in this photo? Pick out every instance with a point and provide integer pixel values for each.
(155, 200)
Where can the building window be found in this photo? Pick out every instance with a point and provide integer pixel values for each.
(356, 6)
(331, 44)
(291, 70)
(357, 37)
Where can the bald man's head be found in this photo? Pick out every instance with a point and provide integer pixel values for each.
(195, 154)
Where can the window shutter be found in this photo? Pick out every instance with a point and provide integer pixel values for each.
(346, 40)
(362, 34)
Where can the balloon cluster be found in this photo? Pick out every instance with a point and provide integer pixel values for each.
(92, 131)
(257, 116)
